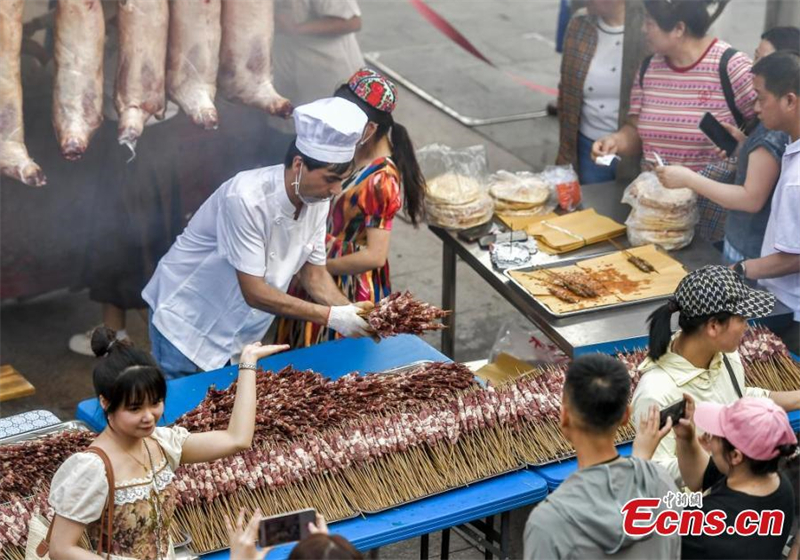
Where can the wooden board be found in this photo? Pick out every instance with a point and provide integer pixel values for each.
(13, 385)
(617, 280)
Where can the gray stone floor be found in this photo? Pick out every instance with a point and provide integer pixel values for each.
(518, 36)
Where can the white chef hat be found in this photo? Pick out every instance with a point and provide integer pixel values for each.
(329, 129)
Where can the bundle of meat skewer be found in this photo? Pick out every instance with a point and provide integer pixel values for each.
(400, 313)
(414, 434)
(27, 469)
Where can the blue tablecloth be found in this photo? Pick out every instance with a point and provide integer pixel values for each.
(333, 359)
(452, 508)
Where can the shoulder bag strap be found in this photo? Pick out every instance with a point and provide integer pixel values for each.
(727, 87)
(107, 519)
(733, 377)
(643, 69)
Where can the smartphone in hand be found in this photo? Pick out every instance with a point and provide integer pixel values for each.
(285, 527)
(721, 138)
(676, 411)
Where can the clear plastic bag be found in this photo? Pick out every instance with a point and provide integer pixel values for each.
(669, 240)
(460, 216)
(566, 184)
(454, 175)
(522, 193)
(518, 338)
(665, 217)
(456, 195)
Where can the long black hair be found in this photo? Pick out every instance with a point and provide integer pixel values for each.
(693, 13)
(660, 326)
(125, 376)
(402, 152)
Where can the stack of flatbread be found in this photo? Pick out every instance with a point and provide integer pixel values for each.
(519, 194)
(665, 217)
(457, 202)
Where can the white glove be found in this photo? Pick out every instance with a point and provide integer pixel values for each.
(345, 320)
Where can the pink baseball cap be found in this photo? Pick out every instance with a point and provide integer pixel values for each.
(755, 426)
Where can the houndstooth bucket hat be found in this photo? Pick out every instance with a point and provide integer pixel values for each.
(714, 289)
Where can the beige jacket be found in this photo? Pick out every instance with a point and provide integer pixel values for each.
(665, 380)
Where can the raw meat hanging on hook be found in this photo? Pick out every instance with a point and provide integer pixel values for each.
(78, 91)
(140, 83)
(14, 159)
(246, 56)
(193, 58)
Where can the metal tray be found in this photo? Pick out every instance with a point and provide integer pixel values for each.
(570, 262)
(46, 431)
(404, 369)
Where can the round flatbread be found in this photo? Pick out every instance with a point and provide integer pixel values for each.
(529, 191)
(460, 216)
(452, 188)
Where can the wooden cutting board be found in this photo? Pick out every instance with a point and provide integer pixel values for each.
(13, 385)
(618, 280)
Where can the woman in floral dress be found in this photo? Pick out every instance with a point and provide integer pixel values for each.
(131, 389)
(361, 217)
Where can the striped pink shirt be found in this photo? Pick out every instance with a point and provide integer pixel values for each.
(673, 100)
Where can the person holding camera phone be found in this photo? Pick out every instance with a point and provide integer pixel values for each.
(757, 170)
(735, 461)
(318, 545)
(702, 358)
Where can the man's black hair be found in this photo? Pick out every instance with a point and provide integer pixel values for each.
(312, 164)
(781, 73)
(784, 38)
(598, 387)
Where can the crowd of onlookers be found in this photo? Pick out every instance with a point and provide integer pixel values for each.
(732, 442)
(749, 201)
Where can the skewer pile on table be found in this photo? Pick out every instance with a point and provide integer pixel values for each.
(356, 444)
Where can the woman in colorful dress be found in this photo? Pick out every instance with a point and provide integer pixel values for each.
(361, 217)
(144, 457)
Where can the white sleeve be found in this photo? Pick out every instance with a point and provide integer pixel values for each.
(319, 254)
(787, 216)
(344, 9)
(240, 236)
(171, 441)
(79, 488)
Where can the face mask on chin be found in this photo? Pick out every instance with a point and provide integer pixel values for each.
(307, 200)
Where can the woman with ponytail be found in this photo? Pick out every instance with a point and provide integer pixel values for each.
(387, 178)
(689, 74)
(702, 358)
(143, 455)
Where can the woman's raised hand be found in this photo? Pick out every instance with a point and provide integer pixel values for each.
(254, 352)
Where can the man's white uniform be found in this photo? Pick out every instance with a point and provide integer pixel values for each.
(248, 225)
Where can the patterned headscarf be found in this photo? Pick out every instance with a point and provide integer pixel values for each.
(375, 90)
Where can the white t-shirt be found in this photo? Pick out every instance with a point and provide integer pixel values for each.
(783, 228)
(600, 109)
(310, 67)
(246, 225)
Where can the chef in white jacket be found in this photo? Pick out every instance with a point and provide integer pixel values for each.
(225, 278)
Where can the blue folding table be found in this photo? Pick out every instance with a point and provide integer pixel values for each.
(481, 500)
